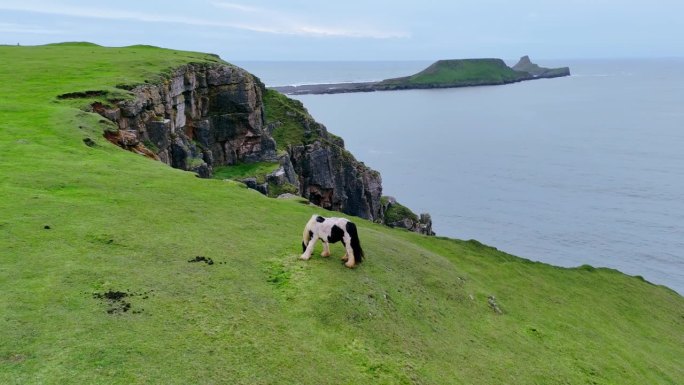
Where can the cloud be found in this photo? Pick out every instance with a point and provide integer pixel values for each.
(235, 6)
(289, 23)
(264, 22)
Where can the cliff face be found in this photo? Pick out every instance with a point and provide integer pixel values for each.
(202, 115)
(331, 178)
(207, 115)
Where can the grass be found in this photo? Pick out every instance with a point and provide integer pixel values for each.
(287, 115)
(415, 312)
(257, 170)
(461, 72)
(292, 123)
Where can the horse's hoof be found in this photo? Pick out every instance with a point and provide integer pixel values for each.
(349, 265)
(304, 258)
(324, 254)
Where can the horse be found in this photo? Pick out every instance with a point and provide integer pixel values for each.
(331, 230)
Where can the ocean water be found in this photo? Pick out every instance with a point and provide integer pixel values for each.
(587, 169)
(275, 73)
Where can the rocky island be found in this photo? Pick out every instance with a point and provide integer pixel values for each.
(442, 74)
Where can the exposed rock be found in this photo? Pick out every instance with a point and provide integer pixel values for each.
(201, 116)
(326, 173)
(288, 196)
(255, 185)
(491, 300)
(526, 65)
(330, 177)
(398, 215)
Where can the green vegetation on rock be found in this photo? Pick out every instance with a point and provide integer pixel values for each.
(288, 117)
(257, 170)
(117, 269)
(397, 212)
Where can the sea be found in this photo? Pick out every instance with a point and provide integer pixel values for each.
(585, 169)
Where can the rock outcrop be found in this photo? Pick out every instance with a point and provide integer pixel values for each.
(526, 65)
(398, 215)
(331, 178)
(327, 174)
(200, 116)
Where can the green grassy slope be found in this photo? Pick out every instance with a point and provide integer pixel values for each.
(415, 312)
(449, 73)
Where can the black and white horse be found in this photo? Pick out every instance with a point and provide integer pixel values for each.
(331, 230)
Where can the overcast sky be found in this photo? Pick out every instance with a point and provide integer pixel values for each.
(360, 29)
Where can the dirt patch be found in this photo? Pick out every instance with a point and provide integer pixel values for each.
(118, 301)
(14, 358)
(81, 95)
(200, 258)
(491, 300)
(124, 86)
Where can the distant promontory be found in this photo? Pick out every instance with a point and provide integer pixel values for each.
(442, 74)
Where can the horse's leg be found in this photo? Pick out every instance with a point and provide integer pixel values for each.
(326, 249)
(345, 257)
(351, 261)
(309, 248)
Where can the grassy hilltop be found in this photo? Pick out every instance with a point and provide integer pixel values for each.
(97, 287)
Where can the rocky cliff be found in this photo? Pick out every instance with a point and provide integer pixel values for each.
(328, 174)
(200, 116)
(206, 115)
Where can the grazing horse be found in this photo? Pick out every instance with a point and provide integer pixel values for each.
(331, 230)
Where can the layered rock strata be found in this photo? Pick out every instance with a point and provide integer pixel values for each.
(200, 116)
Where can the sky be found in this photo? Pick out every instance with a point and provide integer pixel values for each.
(243, 30)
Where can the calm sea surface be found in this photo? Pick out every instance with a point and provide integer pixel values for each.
(587, 169)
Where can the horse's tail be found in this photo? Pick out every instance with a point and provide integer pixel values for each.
(355, 243)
